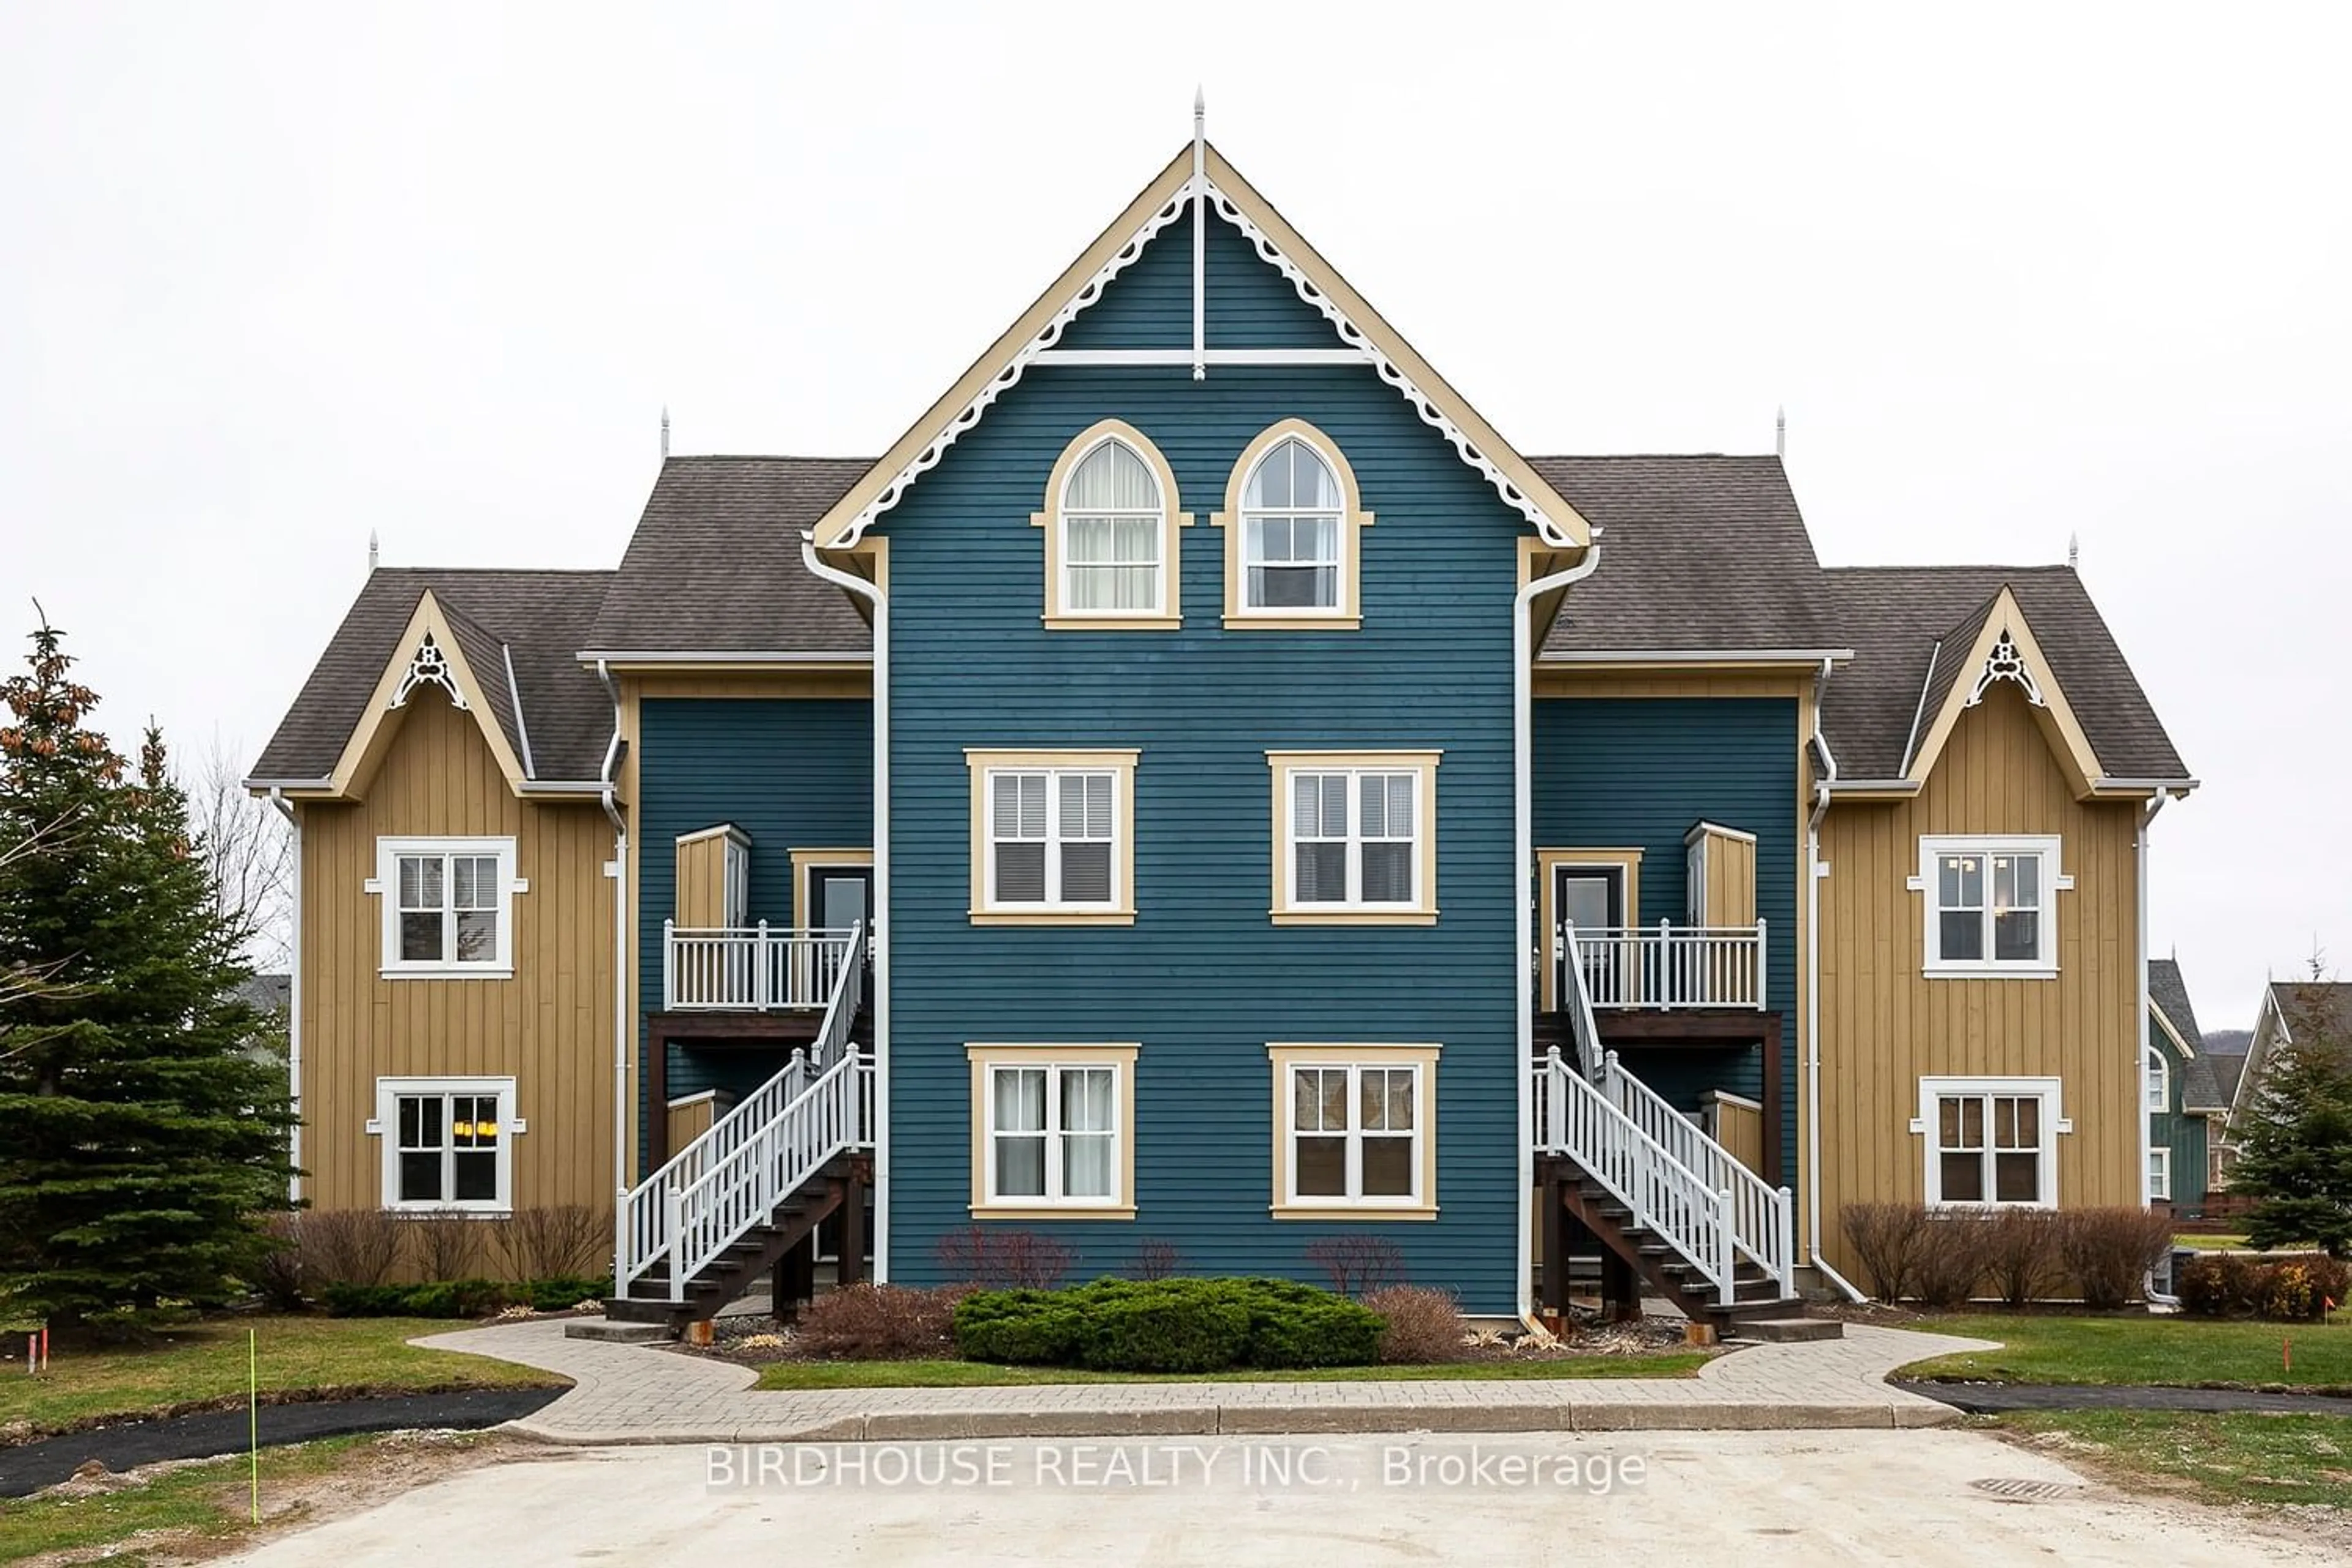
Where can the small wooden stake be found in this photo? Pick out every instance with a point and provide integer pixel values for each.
(253, 1412)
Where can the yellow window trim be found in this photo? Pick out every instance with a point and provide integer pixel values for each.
(1282, 1055)
(979, 761)
(982, 1057)
(1422, 764)
(1059, 616)
(1353, 520)
(803, 861)
(1548, 864)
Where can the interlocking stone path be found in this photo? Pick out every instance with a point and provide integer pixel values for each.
(638, 1394)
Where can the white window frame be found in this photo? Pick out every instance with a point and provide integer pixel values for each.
(2159, 1173)
(1053, 842)
(385, 1129)
(1338, 515)
(986, 1061)
(2053, 1123)
(2155, 1086)
(1066, 602)
(2054, 880)
(1420, 769)
(385, 885)
(1288, 1060)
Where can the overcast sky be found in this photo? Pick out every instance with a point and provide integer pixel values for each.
(274, 277)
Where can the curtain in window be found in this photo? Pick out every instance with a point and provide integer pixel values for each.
(1111, 514)
(1386, 825)
(1319, 1124)
(1020, 1114)
(1017, 823)
(1320, 830)
(1087, 1139)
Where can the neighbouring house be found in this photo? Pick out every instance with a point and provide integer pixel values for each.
(2185, 1097)
(2289, 1009)
(1203, 788)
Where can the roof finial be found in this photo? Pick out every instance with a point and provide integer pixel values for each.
(1780, 431)
(665, 432)
(1200, 236)
(372, 551)
(2073, 552)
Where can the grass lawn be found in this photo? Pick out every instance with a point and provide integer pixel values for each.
(2235, 1457)
(986, 1375)
(2210, 1243)
(2182, 1351)
(205, 1362)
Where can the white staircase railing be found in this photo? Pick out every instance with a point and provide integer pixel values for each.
(1664, 1196)
(750, 968)
(1667, 965)
(749, 1160)
(1762, 1218)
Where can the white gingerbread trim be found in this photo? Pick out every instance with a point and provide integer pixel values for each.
(2005, 663)
(428, 665)
(1202, 185)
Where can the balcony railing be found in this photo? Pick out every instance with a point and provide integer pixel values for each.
(750, 968)
(1667, 965)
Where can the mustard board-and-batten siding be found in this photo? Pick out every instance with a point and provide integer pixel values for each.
(1884, 1025)
(549, 1026)
(1730, 886)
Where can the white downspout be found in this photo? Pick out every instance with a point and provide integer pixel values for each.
(879, 935)
(294, 1006)
(1523, 836)
(1815, 869)
(624, 1037)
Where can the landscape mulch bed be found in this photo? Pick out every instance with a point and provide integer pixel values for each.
(29, 1466)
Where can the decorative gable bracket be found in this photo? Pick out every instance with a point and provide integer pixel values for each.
(2006, 663)
(430, 665)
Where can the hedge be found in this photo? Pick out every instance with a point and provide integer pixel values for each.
(1169, 1325)
(2291, 1289)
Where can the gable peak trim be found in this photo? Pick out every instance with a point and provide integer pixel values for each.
(428, 665)
(2005, 663)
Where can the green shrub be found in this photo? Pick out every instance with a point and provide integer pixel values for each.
(561, 1292)
(2294, 1289)
(1169, 1325)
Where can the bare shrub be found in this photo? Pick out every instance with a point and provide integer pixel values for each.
(1888, 1241)
(281, 1271)
(2022, 1263)
(443, 1243)
(351, 1246)
(2108, 1251)
(1158, 1259)
(555, 1241)
(998, 1259)
(1951, 1257)
(1359, 1265)
(1422, 1325)
(882, 1322)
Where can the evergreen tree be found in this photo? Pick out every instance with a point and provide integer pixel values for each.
(2294, 1152)
(141, 1141)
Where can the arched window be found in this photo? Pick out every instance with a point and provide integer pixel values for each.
(1110, 540)
(2159, 1080)
(1292, 516)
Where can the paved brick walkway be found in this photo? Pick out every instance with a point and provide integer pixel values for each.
(636, 1394)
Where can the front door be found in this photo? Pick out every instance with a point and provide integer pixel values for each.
(838, 897)
(1590, 900)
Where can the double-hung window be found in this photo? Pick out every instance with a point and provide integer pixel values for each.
(1352, 1129)
(1991, 908)
(1051, 1126)
(1052, 839)
(1354, 836)
(2159, 1175)
(448, 906)
(1110, 528)
(1990, 1140)
(2159, 1088)
(1293, 522)
(446, 1143)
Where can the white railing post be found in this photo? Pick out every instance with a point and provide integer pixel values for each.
(669, 966)
(1757, 985)
(1727, 1284)
(1787, 1229)
(760, 956)
(677, 1204)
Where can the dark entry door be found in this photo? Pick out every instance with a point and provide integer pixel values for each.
(1590, 900)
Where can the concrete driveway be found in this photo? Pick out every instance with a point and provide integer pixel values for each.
(1680, 1498)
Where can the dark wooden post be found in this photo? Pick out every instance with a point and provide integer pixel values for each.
(1774, 1163)
(796, 1279)
(852, 1226)
(1555, 1247)
(657, 1098)
(1621, 1287)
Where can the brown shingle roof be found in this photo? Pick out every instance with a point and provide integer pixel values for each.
(541, 617)
(2169, 992)
(1892, 617)
(715, 563)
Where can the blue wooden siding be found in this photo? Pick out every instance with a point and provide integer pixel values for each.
(792, 774)
(2176, 1130)
(1250, 305)
(1202, 980)
(1638, 773)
